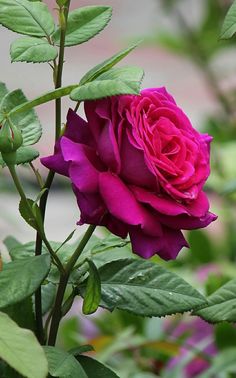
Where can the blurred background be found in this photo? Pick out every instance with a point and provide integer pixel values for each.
(181, 51)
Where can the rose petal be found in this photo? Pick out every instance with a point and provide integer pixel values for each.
(91, 207)
(134, 169)
(167, 206)
(115, 226)
(186, 222)
(77, 129)
(173, 242)
(122, 204)
(119, 200)
(56, 162)
(108, 149)
(82, 171)
(167, 247)
(200, 206)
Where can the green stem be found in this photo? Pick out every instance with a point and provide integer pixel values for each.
(18, 185)
(71, 263)
(38, 251)
(57, 77)
(63, 15)
(57, 310)
(41, 233)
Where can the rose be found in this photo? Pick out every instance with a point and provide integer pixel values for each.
(138, 167)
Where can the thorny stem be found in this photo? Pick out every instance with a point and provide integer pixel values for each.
(57, 75)
(64, 277)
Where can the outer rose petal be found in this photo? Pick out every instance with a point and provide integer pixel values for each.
(82, 172)
(167, 247)
(162, 91)
(168, 206)
(186, 222)
(163, 205)
(56, 162)
(119, 200)
(91, 207)
(122, 204)
(77, 129)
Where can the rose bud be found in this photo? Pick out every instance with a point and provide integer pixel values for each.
(138, 167)
(10, 137)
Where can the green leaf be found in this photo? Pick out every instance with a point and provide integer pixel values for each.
(21, 350)
(21, 278)
(127, 73)
(90, 366)
(110, 242)
(30, 49)
(229, 24)
(221, 305)
(84, 23)
(27, 121)
(25, 17)
(48, 292)
(92, 294)
(69, 237)
(23, 155)
(49, 96)
(27, 214)
(63, 364)
(11, 242)
(224, 363)
(146, 289)
(31, 213)
(22, 313)
(106, 65)
(3, 91)
(81, 349)
(125, 80)
(22, 251)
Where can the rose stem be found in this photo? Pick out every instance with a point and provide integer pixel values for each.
(64, 277)
(58, 68)
(24, 199)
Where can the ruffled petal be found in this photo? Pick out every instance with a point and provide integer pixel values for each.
(164, 205)
(91, 207)
(167, 247)
(82, 171)
(56, 162)
(119, 200)
(186, 222)
(173, 242)
(122, 204)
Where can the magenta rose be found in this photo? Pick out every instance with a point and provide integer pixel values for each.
(137, 166)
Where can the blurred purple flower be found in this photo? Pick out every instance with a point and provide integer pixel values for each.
(199, 338)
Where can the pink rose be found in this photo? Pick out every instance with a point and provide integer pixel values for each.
(138, 167)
